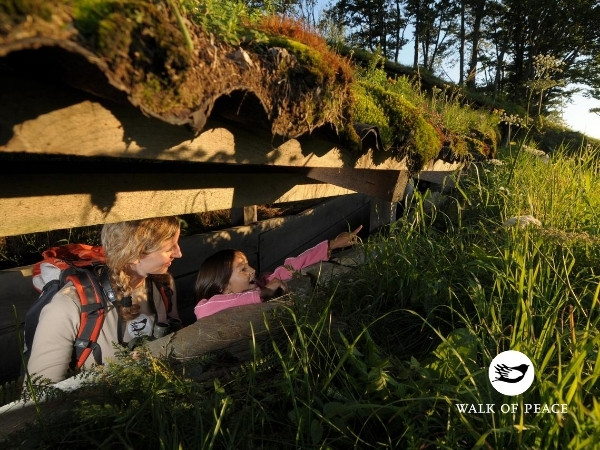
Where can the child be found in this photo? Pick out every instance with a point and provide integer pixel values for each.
(225, 279)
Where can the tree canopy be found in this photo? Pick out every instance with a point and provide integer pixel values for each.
(494, 43)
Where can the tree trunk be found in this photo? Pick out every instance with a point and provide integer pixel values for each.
(461, 46)
(478, 11)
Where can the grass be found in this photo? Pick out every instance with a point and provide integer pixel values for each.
(421, 122)
(382, 358)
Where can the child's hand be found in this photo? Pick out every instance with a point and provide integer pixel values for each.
(274, 288)
(345, 239)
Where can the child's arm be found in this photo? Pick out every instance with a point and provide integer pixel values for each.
(274, 288)
(318, 253)
(345, 239)
(309, 257)
(220, 302)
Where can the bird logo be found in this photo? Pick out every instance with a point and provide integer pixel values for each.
(511, 372)
(141, 326)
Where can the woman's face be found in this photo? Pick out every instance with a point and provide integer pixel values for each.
(242, 276)
(159, 261)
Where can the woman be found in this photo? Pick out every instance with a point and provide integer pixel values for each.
(136, 251)
(226, 279)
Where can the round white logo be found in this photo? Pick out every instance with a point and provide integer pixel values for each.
(511, 372)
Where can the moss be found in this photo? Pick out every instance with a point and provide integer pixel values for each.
(412, 135)
(141, 43)
(475, 146)
(16, 10)
(459, 145)
(123, 28)
(310, 66)
(114, 35)
(366, 110)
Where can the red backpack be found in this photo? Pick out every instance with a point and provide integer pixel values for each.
(84, 266)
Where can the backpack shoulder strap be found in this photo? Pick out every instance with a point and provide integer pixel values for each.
(163, 286)
(93, 310)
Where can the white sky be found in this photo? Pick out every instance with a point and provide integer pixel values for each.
(577, 116)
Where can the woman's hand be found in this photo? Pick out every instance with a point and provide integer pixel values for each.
(345, 239)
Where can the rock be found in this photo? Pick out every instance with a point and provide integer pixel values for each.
(522, 221)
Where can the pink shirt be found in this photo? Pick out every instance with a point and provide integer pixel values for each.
(219, 302)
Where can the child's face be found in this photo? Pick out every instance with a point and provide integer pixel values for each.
(242, 276)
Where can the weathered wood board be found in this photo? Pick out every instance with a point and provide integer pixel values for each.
(113, 197)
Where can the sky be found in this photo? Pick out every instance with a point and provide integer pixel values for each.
(577, 116)
(576, 113)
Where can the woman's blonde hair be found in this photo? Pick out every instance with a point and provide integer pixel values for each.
(126, 242)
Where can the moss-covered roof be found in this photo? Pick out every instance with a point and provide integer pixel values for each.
(170, 67)
(169, 63)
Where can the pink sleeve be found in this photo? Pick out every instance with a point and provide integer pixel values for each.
(220, 302)
(309, 257)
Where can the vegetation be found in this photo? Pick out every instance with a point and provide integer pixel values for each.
(454, 288)
(156, 50)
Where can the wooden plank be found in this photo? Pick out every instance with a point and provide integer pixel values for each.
(311, 227)
(40, 117)
(74, 200)
(383, 183)
(244, 216)
(382, 213)
(227, 330)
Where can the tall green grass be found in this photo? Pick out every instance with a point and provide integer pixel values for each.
(479, 288)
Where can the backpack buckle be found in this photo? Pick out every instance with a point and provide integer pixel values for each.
(82, 343)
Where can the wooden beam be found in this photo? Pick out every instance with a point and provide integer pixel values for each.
(384, 183)
(244, 216)
(53, 201)
(382, 213)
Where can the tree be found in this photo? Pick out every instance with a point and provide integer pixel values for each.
(371, 25)
(439, 36)
(477, 8)
(565, 30)
(495, 39)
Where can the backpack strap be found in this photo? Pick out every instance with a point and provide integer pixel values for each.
(165, 291)
(93, 310)
(103, 278)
